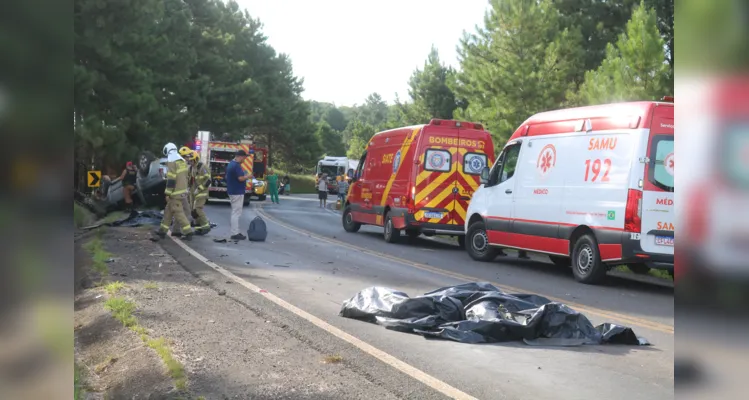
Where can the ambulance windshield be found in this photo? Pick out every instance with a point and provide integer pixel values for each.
(331, 170)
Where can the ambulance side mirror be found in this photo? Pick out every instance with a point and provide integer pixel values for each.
(485, 176)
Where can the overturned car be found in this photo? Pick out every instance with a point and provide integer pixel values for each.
(149, 187)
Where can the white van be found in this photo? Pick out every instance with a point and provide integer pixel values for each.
(589, 186)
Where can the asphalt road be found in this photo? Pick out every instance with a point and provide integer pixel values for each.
(312, 263)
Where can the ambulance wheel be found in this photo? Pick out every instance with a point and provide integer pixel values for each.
(390, 234)
(587, 266)
(262, 197)
(349, 225)
(560, 261)
(246, 201)
(477, 243)
(639, 269)
(462, 241)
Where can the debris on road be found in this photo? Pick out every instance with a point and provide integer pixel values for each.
(481, 313)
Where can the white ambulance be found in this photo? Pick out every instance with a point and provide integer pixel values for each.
(590, 186)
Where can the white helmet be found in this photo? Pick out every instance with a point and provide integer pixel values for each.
(168, 148)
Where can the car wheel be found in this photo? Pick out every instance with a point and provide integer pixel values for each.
(477, 243)
(246, 201)
(560, 261)
(462, 242)
(262, 197)
(390, 234)
(587, 266)
(144, 163)
(349, 225)
(639, 268)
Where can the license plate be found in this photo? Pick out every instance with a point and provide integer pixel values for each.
(433, 215)
(664, 240)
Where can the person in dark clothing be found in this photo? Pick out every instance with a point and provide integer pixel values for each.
(285, 185)
(129, 179)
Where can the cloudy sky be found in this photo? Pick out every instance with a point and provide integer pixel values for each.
(347, 49)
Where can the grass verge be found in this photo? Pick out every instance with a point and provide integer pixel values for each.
(300, 184)
(151, 285)
(99, 256)
(81, 216)
(114, 287)
(122, 310)
(78, 392)
(334, 359)
(176, 370)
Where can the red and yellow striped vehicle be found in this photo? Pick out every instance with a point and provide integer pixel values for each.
(419, 179)
(219, 156)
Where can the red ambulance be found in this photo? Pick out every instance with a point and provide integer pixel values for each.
(419, 179)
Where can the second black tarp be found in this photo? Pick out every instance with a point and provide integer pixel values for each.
(482, 313)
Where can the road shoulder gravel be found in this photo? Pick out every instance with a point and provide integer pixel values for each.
(231, 342)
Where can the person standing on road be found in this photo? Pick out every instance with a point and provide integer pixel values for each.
(176, 195)
(322, 190)
(272, 180)
(236, 185)
(342, 190)
(129, 179)
(201, 179)
(286, 181)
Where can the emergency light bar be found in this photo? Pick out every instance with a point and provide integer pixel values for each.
(457, 124)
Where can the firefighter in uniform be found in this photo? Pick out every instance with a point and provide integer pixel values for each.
(176, 195)
(186, 154)
(201, 179)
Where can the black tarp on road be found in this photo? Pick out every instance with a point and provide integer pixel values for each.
(482, 313)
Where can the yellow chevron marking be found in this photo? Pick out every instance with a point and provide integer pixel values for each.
(423, 175)
(440, 197)
(404, 150)
(421, 195)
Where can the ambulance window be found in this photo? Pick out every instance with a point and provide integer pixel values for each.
(510, 163)
(438, 160)
(736, 154)
(360, 167)
(661, 171)
(474, 163)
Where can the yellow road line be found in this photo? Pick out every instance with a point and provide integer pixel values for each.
(612, 316)
(386, 358)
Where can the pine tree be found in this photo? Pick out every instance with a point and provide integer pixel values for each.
(360, 133)
(635, 67)
(522, 61)
(331, 141)
(430, 91)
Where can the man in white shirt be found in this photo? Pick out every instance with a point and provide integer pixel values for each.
(322, 190)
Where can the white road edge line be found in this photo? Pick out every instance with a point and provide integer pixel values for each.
(399, 365)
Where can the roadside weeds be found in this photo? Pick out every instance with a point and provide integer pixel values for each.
(121, 309)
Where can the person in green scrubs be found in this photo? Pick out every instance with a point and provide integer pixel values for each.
(272, 180)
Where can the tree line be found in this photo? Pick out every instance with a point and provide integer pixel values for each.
(149, 72)
(527, 57)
